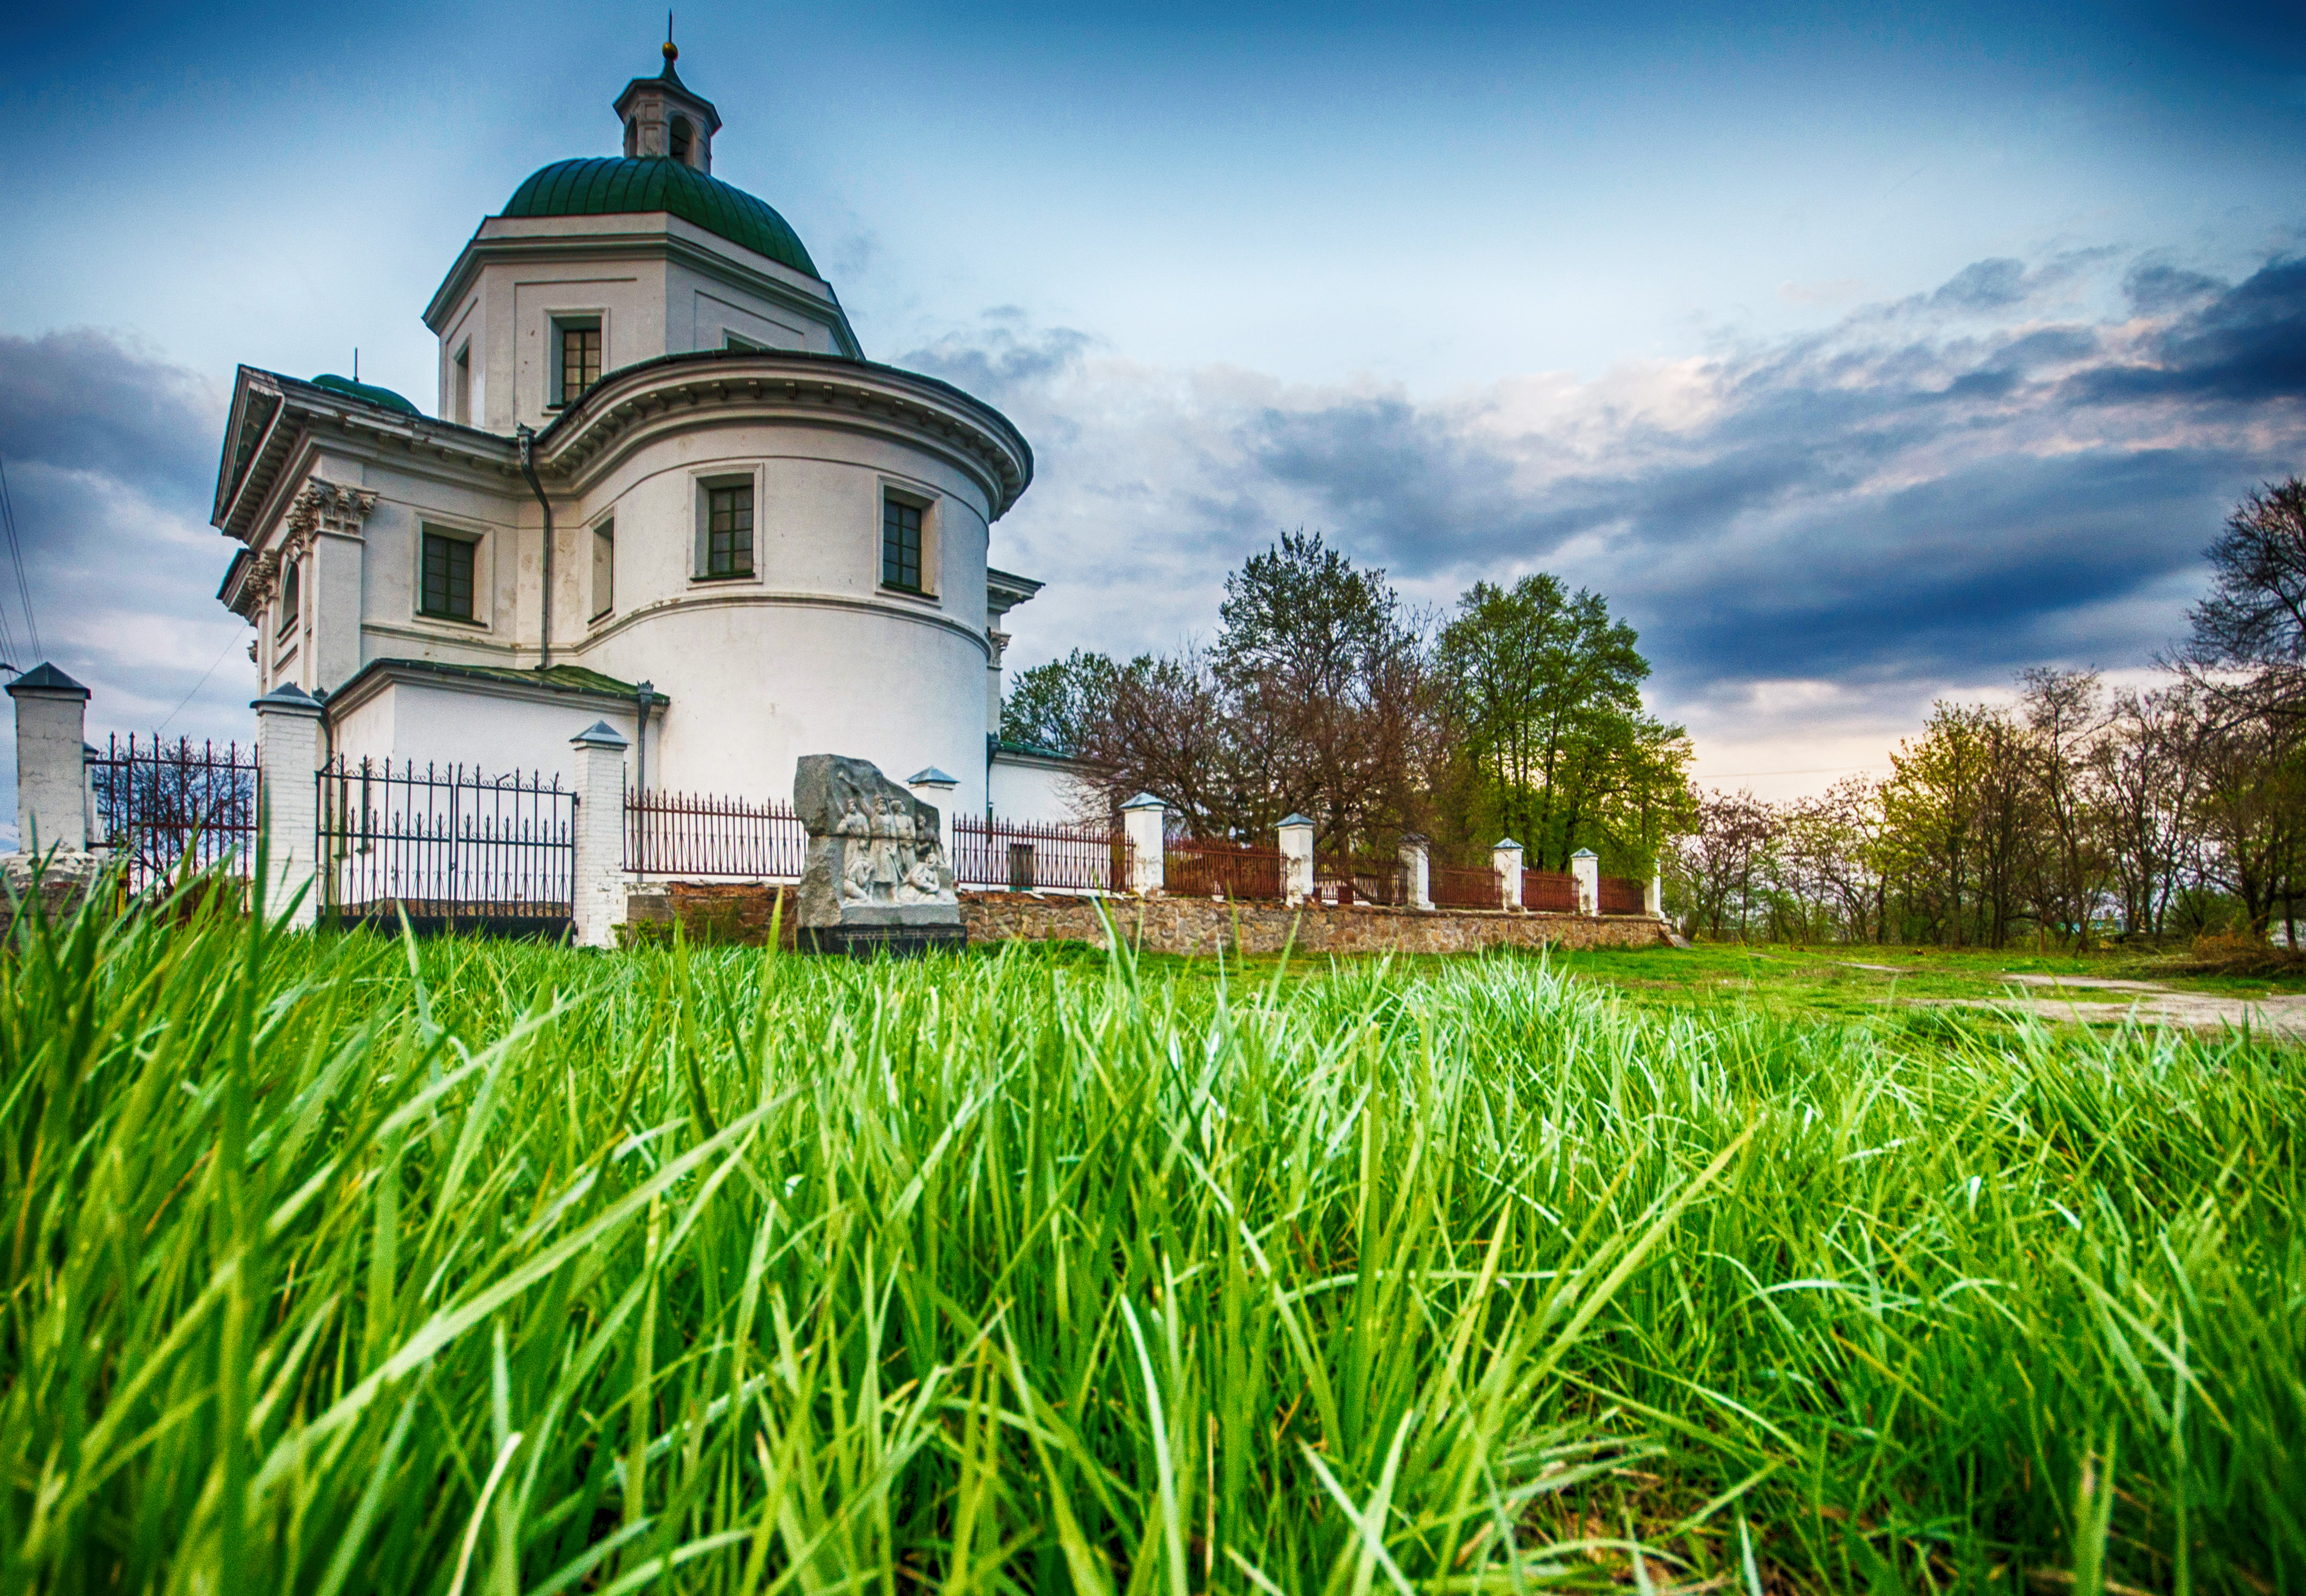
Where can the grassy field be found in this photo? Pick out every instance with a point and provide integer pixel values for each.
(338, 1265)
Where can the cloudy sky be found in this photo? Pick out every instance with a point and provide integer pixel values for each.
(1858, 359)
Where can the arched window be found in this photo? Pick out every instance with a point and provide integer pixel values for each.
(291, 600)
(680, 135)
(632, 136)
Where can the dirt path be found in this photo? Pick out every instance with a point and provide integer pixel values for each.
(2283, 1016)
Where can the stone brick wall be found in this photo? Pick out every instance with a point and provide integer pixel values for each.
(1197, 926)
(740, 911)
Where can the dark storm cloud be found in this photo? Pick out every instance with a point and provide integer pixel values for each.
(1864, 504)
(85, 400)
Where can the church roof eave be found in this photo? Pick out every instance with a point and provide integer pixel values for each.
(247, 475)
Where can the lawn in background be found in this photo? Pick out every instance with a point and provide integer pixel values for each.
(343, 1265)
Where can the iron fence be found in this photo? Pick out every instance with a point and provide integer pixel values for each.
(673, 833)
(1342, 879)
(1553, 891)
(1201, 867)
(1454, 888)
(1023, 856)
(1620, 896)
(445, 844)
(163, 806)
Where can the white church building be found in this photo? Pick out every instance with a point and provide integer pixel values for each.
(662, 487)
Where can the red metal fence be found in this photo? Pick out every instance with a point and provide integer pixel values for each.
(1453, 888)
(164, 805)
(679, 833)
(1553, 891)
(1024, 856)
(1620, 896)
(1339, 879)
(1200, 868)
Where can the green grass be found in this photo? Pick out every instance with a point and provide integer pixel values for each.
(335, 1264)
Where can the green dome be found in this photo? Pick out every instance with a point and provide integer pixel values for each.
(614, 185)
(364, 391)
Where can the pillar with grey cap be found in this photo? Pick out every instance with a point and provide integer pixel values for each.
(1505, 858)
(597, 873)
(1586, 870)
(1143, 820)
(1296, 858)
(289, 760)
(934, 787)
(51, 769)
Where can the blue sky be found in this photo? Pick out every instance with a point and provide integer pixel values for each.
(1860, 356)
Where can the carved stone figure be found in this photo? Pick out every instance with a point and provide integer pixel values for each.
(874, 878)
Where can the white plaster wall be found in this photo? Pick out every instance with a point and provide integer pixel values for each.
(1032, 789)
(441, 725)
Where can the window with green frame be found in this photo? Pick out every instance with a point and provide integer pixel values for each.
(728, 530)
(900, 544)
(580, 358)
(448, 586)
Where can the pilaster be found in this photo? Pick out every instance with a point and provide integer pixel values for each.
(1296, 833)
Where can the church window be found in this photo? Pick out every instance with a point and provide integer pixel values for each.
(576, 357)
(604, 569)
(460, 383)
(900, 544)
(729, 531)
(681, 138)
(632, 136)
(447, 591)
(292, 599)
(739, 341)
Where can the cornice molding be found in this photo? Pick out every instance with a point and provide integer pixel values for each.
(625, 408)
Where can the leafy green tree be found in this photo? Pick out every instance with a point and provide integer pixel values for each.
(1544, 692)
(1052, 705)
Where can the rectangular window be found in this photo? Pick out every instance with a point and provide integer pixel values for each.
(604, 569)
(578, 358)
(447, 577)
(729, 531)
(900, 544)
(460, 381)
(730, 340)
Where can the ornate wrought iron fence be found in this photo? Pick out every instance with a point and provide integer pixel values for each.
(1554, 892)
(446, 843)
(1024, 856)
(162, 806)
(1454, 888)
(1201, 867)
(675, 833)
(1621, 895)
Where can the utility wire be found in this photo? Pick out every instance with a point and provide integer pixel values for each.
(197, 686)
(16, 556)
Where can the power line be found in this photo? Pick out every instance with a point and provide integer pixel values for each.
(16, 555)
(197, 686)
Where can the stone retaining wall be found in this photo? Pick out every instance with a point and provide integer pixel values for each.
(1199, 926)
(739, 912)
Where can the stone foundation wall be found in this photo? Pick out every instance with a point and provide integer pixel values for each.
(1199, 926)
(739, 913)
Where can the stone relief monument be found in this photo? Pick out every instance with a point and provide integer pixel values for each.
(875, 877)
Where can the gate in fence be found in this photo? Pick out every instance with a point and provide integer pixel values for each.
(450, 848)
(164, 807)
(1024, 856)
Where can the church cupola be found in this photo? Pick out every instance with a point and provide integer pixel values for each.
(663, 119)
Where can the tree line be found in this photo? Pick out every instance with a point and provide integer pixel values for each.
(1324, 693)
(2077, 815)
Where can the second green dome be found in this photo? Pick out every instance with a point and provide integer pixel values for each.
(613, 185)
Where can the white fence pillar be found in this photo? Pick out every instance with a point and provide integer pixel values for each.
(1585, 867)
(934, 787)
(598, 876)
(1417, 864)
(1653, 894)
(1296, 858)
(288, 751)
(51, 760)
(1143, 819)
(1505, 858)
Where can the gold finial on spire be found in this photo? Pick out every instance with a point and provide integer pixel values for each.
(671, 50)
